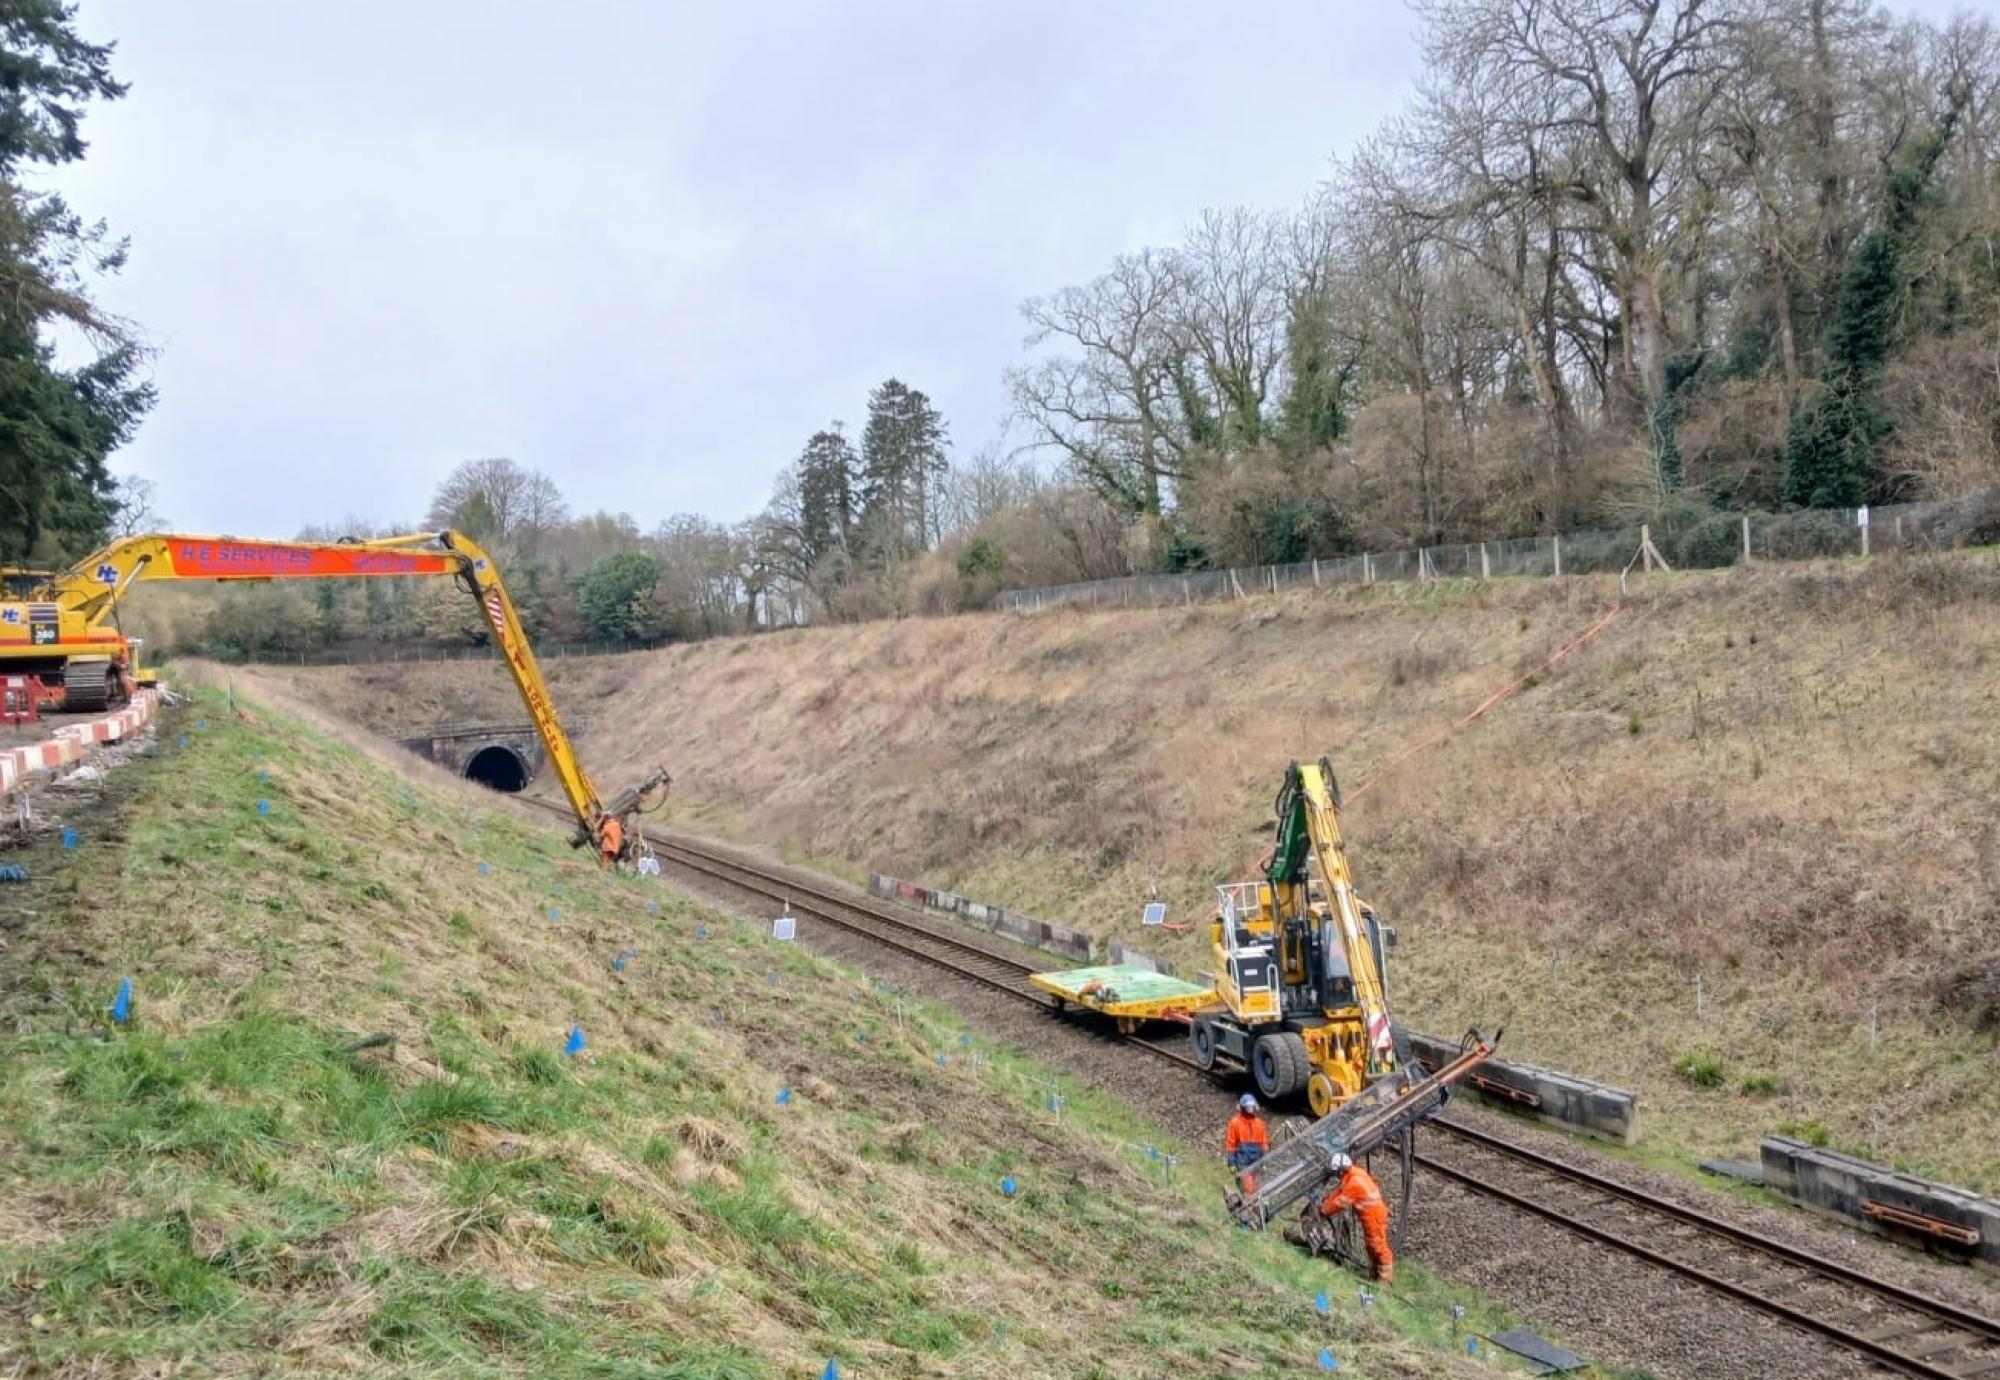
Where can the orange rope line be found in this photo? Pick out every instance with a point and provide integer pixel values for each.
(1593, 630)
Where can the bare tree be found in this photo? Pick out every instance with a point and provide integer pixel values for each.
(1622, 91)
(1227, 325)
(517, 506)
(136, 509)
(1106, 402)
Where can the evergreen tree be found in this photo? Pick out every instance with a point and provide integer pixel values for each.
(903, 460)
(57, 425)
(617, 597)
(1831, 444)
(826, 476)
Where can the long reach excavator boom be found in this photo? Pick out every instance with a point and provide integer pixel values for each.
(65, 630)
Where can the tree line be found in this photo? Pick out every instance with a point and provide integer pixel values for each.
(1615, 258)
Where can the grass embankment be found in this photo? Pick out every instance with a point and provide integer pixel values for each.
(758, 1163)
(1777, 780)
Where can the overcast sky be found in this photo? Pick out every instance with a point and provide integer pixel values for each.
(646, 247)
(649, 248)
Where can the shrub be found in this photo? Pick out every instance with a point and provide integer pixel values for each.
(1702, 1068)
(1813, 1132)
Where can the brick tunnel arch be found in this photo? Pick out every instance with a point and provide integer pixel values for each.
(499, 767)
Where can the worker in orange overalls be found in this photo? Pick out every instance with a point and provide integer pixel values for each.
(1246, 1141)
(1356, 1188)
(611, 840)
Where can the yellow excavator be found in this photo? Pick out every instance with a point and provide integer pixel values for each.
(1299, 964)
(61, 628)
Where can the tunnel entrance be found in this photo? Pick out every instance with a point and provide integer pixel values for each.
(498, 768)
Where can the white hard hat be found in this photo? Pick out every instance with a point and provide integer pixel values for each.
(1340, 1162)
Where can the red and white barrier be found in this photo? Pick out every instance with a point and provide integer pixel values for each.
(67, 743)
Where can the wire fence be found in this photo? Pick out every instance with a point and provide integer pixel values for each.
(1704, 542)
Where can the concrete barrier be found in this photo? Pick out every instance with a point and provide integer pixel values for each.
(1119, 953)
(1559, 1098)
(1045, 935)
(67, 743)
(1900, 1207)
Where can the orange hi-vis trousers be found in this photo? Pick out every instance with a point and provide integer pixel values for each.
(1357, 1189)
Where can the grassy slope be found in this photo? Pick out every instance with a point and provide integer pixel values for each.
(220, 1188)
(1780, 780)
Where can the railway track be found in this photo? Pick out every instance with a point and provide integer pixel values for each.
(1897, 1328)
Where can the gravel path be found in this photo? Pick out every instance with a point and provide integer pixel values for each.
(1602, 1302)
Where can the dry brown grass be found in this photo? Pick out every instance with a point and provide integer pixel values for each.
(1778, 779)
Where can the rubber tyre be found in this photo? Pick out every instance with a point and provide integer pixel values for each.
(1201, 1044)
(1275, 1064)
(1302, 1064)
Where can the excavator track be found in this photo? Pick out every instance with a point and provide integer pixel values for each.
(87, 685)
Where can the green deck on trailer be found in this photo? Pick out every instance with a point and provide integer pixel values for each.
(1123, 990)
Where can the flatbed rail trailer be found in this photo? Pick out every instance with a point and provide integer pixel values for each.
(1126, 993)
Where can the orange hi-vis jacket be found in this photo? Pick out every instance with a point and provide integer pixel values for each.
(1357, 1189)
(1245, 1129)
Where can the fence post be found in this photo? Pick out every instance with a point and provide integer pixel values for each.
(1235, 583)
(1746, 539)
(1646, 544)
(1556, 542)
(1274, 579)
(1367, 569)
(1316, 567)
(1485, 569)
(1187, 592)
(1861, 518)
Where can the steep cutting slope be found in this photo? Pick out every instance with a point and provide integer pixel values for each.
(1692, 858)
(340, 1135)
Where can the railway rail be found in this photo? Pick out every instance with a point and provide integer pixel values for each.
(1897, 1328)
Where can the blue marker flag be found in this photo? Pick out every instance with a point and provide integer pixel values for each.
(184, 740)
(121, 1009)
(965, 1039)
(832, 1371)
(618, 964)
(554, 914)
(1007, 1186)
(1319, 1301)
(263, 807)
(484, 869)
(575, 1044)
(701, 933)
(784, 1096)
(263, 776)
(70, 837)
(1327, 1361)
(1471, 1346)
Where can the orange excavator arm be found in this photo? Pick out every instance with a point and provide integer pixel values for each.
(91, 590)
